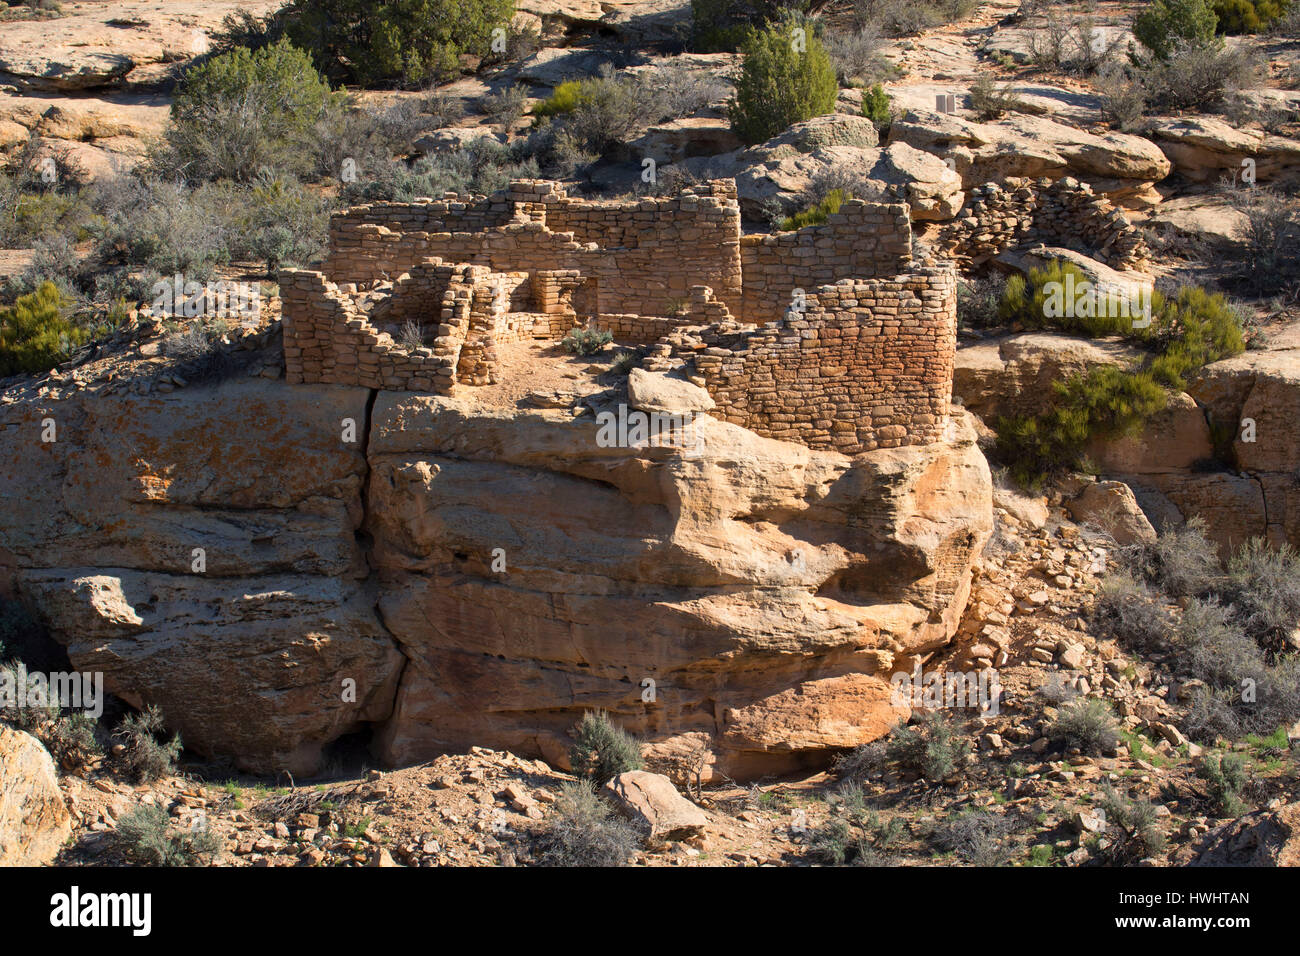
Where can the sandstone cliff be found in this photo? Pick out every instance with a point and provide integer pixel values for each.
(766, 590)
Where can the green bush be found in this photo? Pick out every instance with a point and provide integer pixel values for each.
(1162, 24)
(586, 342)
(144, 757)
(1248, 16)
(1131, 826)
(166, 227)
(930, 747)
(602, 751)
(242, 110)
(404, 42)
(876, 106)
(990, 101)
(583, 831)
(1198, 76)
(1088, 724)
(779, 86)
(145, 836)
(1185, 332)
(818, 213)
(280, 222)
(1225, 776)
(34, 334)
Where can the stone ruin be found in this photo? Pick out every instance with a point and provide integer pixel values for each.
(829, 335)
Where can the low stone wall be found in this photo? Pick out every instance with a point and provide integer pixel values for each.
(868, 365)
(1064, 212)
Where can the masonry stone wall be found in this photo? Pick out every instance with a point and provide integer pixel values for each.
(1063, 212)
(868, 364)
(420, 296)
(862, 240)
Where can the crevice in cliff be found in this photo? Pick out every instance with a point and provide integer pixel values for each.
(365, 543)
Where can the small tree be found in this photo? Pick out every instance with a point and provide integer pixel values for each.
(244, 110)
(786, 78)
(875, 106)
(34, 335)
(1164, 23)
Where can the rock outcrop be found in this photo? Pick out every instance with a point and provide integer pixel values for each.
(1262, 838)
(277, 566)
(34, 822)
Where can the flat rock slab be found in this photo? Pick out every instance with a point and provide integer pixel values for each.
(651, 802)
(656, 392)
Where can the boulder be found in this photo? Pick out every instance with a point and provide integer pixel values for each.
(654, 806)
(1118, 165)
(1206, 149)
(1111, 506)
(657, 392)
(34, 822)
(1260, 838)
(1205, 218)
(1176, 439)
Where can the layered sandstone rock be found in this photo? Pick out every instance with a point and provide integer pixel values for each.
(752, 592)
(200, 549)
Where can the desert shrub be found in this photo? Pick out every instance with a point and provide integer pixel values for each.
(1163, 24)
(1186, 331)
(862, 760)
(42, 194)
(978, 299)
(602, 750)
(857, 55)
(978, 837)
(164, 227)
(145, 836)
(585, 119)
(1041, 301)
(1225, 776)
(1128, 608)
(241, 111)
(1132, 827)
(586, 341)
(280, 222)
(816, 213)
(779, 86)
(876, 106)
(829, 843)
(897, 18)
(146, 758)
(1073, 46)
(1263, 589)
(1288, 24)
(479, 168)
(1272, 237)
(34, 333)
(1199, 76)
(1182, 561)
(401, 42)
(583, 831)
(1123, 98)
(349, 138)
(507, 106)
(1088, 724)
(624, 362)
(991, 101)
(931, 747)
(1248, 16)
(71, 741)
(32, 718)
